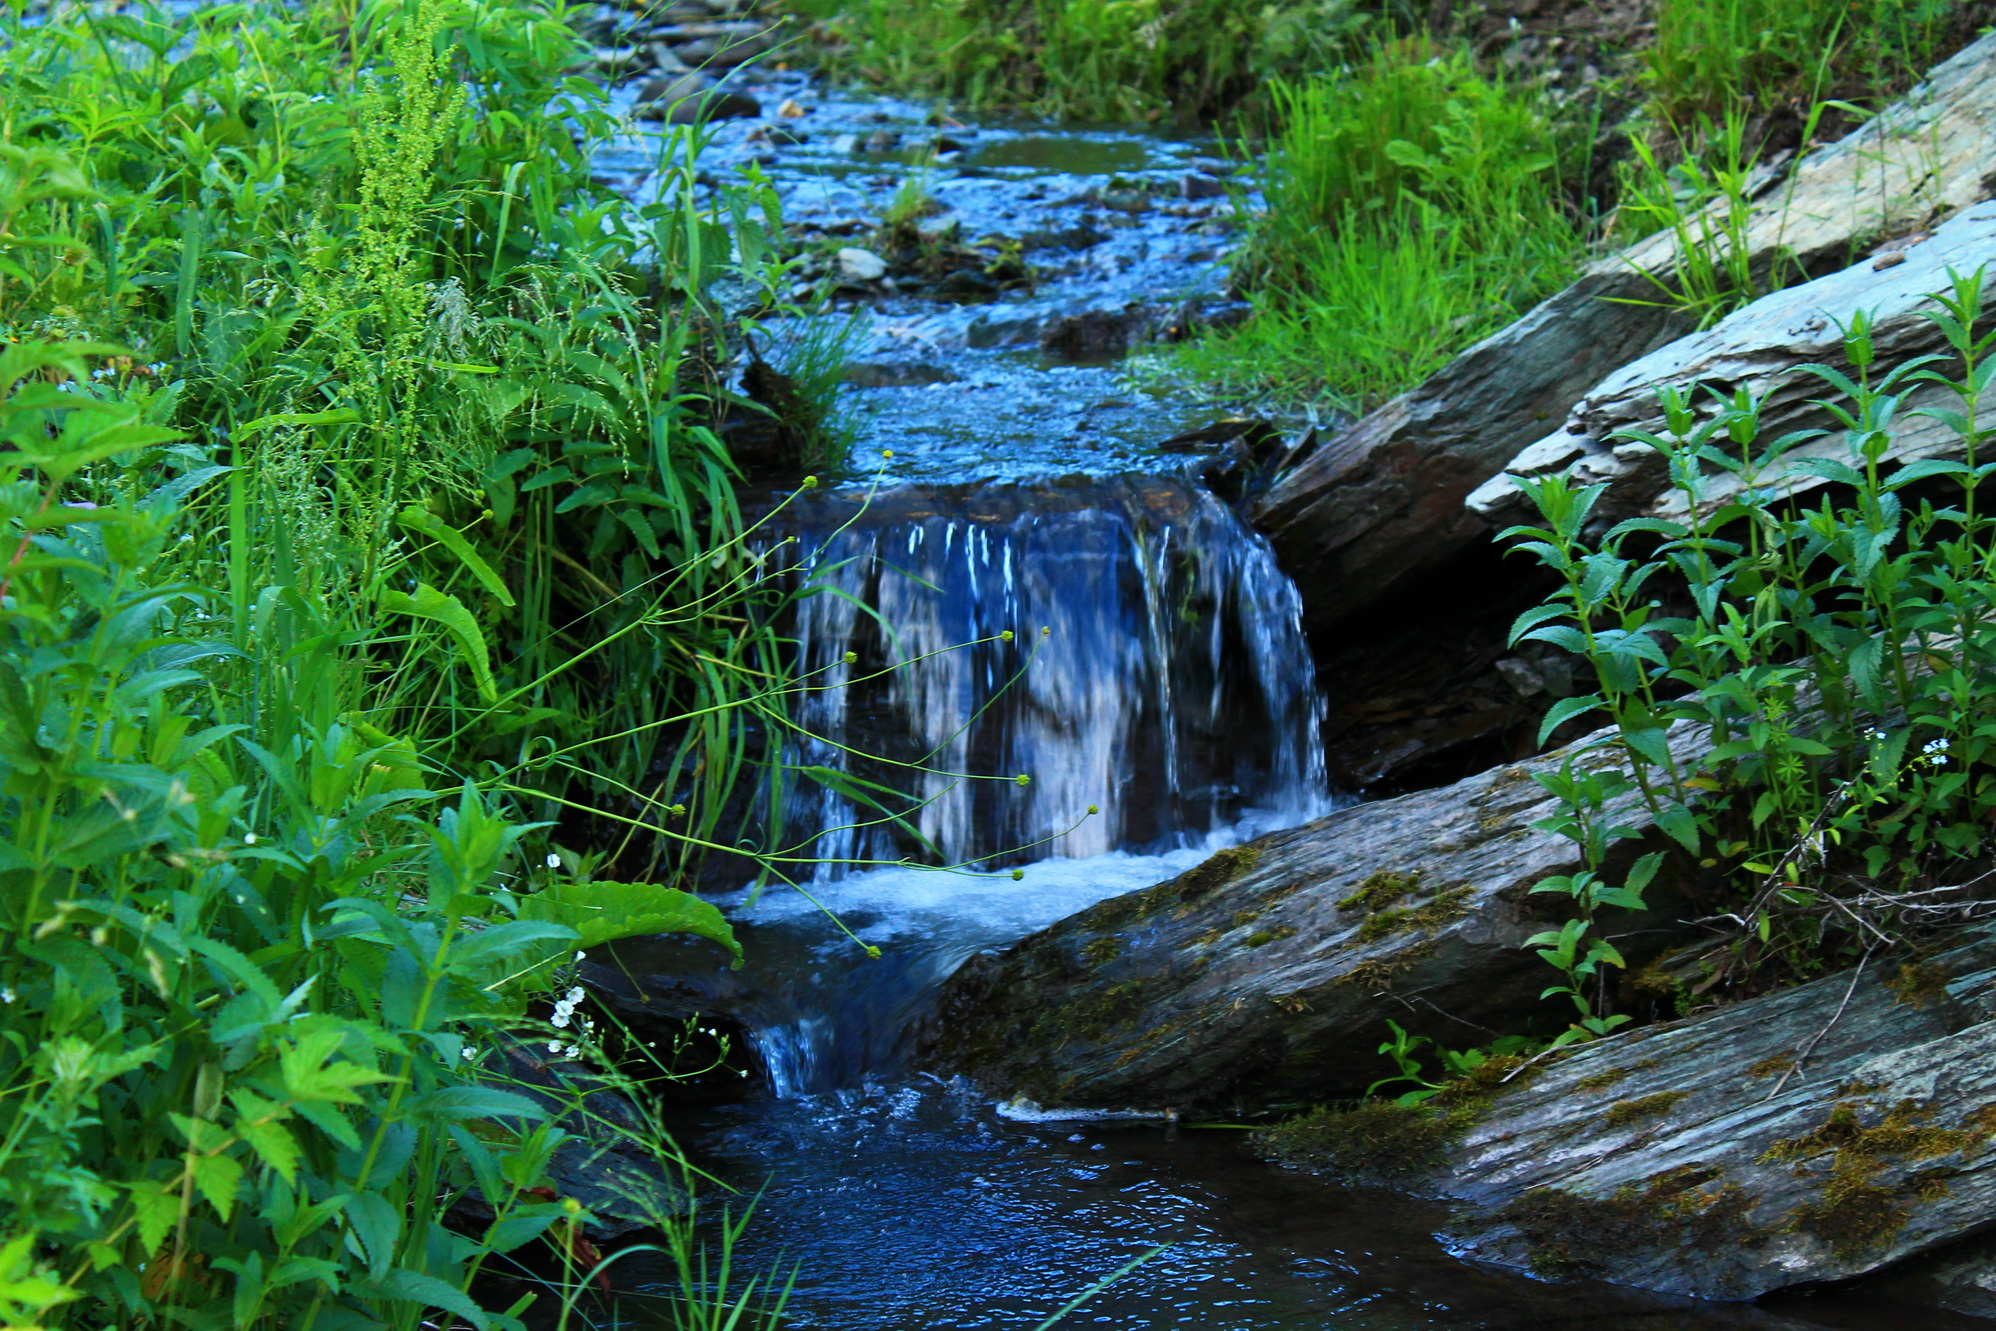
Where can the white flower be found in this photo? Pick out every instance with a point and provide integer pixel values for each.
(554, 1046)
(1934, 746)
(7, 994)
(467, 1053)
(573, 1051)
(553, 860)
(559, 1018)
(575, 994)
(580, 955)
(249, 838)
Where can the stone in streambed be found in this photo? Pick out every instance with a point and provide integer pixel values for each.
(857, 265)
(1816, 1134)
(684, 99)
(1267, 974)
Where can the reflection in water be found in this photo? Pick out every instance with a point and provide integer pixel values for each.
(913, 1207)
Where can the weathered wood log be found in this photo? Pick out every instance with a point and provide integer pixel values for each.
(1373, 510)
(1268, 973)
(1757, 349)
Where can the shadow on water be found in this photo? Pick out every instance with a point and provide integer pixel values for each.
(917, 1206)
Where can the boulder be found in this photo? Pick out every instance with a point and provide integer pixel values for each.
(1268, 973)
(1757, 349)
(1815, 1134)
(1380, 506)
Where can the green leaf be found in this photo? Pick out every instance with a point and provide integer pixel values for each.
(405, 1286)
(451, 539)
(1680, 826)
(217, 1177)
(601, 912)
(446, 610)
(1565, 710)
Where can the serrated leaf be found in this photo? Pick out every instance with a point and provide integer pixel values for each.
(216, 1177)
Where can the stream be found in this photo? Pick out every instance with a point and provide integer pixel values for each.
(1159, 696)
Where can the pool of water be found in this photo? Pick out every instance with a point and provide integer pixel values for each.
(917, 1205)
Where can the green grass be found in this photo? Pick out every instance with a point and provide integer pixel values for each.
(1715, 56)
(1410, 206)
(1089, 59)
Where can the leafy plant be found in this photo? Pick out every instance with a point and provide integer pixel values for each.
(1838, 656)
(1410, 205)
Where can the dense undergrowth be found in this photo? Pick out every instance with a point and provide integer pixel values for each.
(366, 522)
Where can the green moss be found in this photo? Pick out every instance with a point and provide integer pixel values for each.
(1568, 1234)
(1377, 1142)
(1263, 937)
(1624, 1112)
(1854, 1211)
(1773, 1063)
(1242, 918)
(1203, 879)
(1377, 973)
(1383, 889)
(1601, 1081)
(1448, 905)
(1101, 951)
(1920, 984)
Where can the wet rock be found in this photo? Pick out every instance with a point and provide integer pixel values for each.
(1199, 185)
(857, 265)
(1267, 974)
(1816, 1134)
(1101, 331)
(862, 374)
(1382, 505)
(1757, 349)
(685, 99)
(1959, 1278)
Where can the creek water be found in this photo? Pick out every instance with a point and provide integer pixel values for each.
(1157, 693)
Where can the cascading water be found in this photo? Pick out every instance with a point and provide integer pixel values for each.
(1155, 672)
(1155, 693)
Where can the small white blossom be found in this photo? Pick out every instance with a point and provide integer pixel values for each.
(467, 1053)
(553, 860)
(580, 955)
(575, 994)
(249, 838)
(560, 1018)
(7, 994)
(554, 1046)
(573, 1051)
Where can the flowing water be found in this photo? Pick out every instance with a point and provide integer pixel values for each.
(1156, 695)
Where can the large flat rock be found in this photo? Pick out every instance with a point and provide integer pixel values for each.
(1758, 349)
(1817, 1134)
(1381, 506)
(1268, 973)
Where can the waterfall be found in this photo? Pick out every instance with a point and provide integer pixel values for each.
(1156, 671)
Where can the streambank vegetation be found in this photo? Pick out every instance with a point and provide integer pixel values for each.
(375, 589)
(1413, 178)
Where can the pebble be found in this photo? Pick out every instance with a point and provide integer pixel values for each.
(861, 265)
